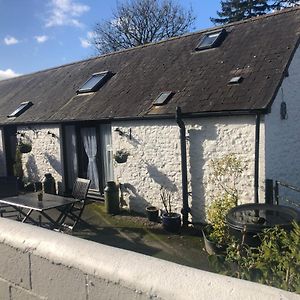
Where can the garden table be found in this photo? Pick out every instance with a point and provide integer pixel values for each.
(26, 204)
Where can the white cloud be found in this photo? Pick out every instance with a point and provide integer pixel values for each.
(8, 73)
(66, 12)
(86, 42)
(41, 38)
(10, 40)
(91, 34)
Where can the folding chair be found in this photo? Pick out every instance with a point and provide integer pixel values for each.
(80, 190)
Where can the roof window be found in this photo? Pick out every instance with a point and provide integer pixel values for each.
(163, 98)
(211, 39)
(236, 80)
(22, 108)
(94, 83)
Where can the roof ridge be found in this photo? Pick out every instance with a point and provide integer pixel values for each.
(254, 19)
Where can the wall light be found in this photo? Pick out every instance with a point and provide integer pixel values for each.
(122, 133)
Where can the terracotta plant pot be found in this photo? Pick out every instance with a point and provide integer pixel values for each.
(171, 222)
(152, 213)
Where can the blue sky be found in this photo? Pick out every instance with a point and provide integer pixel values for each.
(39, 34)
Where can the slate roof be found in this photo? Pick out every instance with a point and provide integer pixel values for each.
(258, 49)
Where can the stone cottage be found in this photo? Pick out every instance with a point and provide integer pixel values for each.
(238, 90)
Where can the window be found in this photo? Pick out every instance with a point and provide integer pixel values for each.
(163, 98)
(211, 39)
(22, 108)
(236, 80)
(94, 83)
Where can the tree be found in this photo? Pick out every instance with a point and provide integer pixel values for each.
(140, 22)
(279, 4)
(236, 10)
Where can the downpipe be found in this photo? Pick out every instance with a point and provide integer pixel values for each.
(185, 201)
(256, 164)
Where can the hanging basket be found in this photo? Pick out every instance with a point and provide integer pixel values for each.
(24, 147)
(121, 156)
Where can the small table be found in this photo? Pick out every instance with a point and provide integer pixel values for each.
(30, 201)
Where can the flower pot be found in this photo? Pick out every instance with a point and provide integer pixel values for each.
(25, 148)
(152, 213)
(211, 247)
(171, 222)
(121, 159)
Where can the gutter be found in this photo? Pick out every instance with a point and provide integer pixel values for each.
(185, 201)
(245, 112)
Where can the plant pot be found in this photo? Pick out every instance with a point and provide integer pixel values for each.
(25, 148)
(211, 247)
(171, 222)
(152, 213)
(121, 159)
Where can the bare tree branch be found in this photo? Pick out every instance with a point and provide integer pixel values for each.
(140, 22)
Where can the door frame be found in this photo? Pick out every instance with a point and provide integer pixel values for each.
(79, 148)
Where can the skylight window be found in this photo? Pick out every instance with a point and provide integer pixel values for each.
(95, 82)
(163, 98)
(236, 80)
(211, 40)
(22, 108)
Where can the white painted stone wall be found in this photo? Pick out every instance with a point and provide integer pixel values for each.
(155, 159)
(46, 154)
(36, 263)
(2, 155)
(282, 136)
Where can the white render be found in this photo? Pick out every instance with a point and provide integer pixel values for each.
(41, 264)
(46, 154)
(283, 136)
(155, 159)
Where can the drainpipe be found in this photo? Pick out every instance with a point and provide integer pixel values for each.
(185, 201)
(256, 165)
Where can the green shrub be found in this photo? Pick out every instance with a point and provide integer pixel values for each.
(276, 262)
(226, 172)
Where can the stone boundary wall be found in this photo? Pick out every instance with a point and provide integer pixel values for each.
(36, 263)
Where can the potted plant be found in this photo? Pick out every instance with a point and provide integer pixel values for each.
(24, 147)
(216, 234)
(121, 156)
(225, 175)
(171, 220)
(152, 213)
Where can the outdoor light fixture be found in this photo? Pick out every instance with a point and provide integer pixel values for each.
(122, 133)
(52, 134)
(283, 111)
(283, 107)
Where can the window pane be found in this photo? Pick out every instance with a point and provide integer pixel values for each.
(92, 82)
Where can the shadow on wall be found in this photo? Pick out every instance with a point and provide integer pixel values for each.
(55, 164)
(161, 178)
(32, 169)
(136, 201)
(197, 162)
